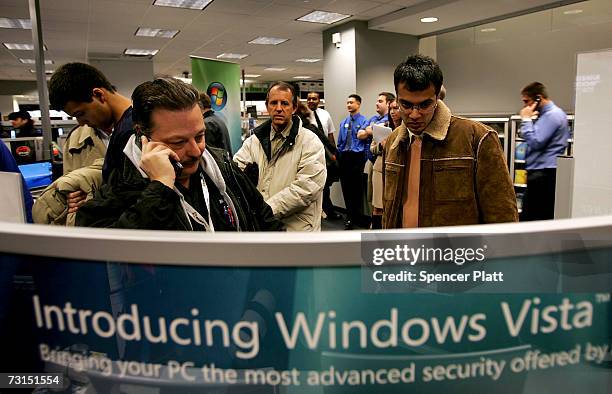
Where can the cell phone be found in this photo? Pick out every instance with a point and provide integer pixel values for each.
(178, 167)
(537, 100)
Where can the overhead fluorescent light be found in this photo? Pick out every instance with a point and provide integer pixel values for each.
(21, 47)
(268, 40)
(189, 4)
(48, 72)
(572, 12)
(8, 23)
(252, 75)
(429, 19)
(232, 56)
(307, 60)
(32, 61)
(323, 17)
(488, 30)
(140, 52)
(302, 77)
(152, 32)
(275, 69)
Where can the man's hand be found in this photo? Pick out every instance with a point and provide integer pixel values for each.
(529, 111)
(362, 135)
(155, 162)
(383, 142)
(75, 200)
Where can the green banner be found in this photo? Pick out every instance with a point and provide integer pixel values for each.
(221, 81)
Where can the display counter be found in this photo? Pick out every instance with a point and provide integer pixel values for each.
(513, 308)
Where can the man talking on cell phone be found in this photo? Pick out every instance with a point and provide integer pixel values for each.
(546, 139)
(209, 193)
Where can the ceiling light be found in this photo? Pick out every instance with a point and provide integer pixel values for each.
(189, 4)
(21, 47)
(323, 17)
(32, 61)
(252, 75)
(15, 23)
(152, 32)
(572, 12)
(488, 30)
(429, 19)
(275, 69)
(302, 77)
(140, 52)
(307, 60)
(232, 56)
(48, 72)
(268, 40)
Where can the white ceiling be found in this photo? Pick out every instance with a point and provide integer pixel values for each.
(76, 30)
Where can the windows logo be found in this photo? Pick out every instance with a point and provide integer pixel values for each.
(218, 96)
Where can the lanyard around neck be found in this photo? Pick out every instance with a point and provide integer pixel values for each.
(192, 213)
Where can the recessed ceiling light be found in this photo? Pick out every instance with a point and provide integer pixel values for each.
(189, 4)
(8, 23)
(21, 47)
(307, 60)
(429, 19)
(32, 61)
(140, 52)
(488, 30)
(275, 69)
(252, 75)
(268, 40)
(323, 17)
(572, 12)
(302, 77)
(153, 32)
(232, 56)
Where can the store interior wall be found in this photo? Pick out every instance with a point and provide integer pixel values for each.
(485, 72)
(125, 74)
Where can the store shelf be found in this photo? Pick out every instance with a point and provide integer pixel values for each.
(520, 185)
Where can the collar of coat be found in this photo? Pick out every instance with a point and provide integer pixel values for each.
(436, 129)
(263, 135)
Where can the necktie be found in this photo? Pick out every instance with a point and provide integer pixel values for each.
(410, 211)
(349, 136)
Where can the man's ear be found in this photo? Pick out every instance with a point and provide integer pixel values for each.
(99, 94)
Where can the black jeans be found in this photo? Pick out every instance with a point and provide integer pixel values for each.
(539, 200)
(351, 170)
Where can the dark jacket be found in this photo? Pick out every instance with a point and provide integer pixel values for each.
(128, 200)
(464, 178)
(217, 134)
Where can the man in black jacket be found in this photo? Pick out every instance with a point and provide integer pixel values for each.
(170, 181)
(217, 134)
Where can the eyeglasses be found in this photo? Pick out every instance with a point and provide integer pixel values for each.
(423, 108)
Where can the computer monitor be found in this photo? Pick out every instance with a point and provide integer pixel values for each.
(12, 206)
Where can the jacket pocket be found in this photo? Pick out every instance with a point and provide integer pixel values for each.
(453, 181)
(391, 180)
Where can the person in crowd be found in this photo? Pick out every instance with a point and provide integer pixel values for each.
(206, 192)
(323, 121)
(352, 157)
(331, 161)
(290, 160)
(546, 139)
(83, 92)
(217, 134)
(439, 169)
(8, 164)
(376, 148)
(24, 125)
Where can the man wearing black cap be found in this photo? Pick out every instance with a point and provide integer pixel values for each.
(23, 123)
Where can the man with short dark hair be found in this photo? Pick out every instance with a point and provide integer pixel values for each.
(83, 92)
(217, 134)
(352, 157)
(546, 139)
(206, 192)
(439, 169)
(290, 161)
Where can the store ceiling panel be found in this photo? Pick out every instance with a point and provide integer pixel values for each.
(75, 29)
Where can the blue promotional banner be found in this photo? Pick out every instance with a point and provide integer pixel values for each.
(271, 323)
(221, 81)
